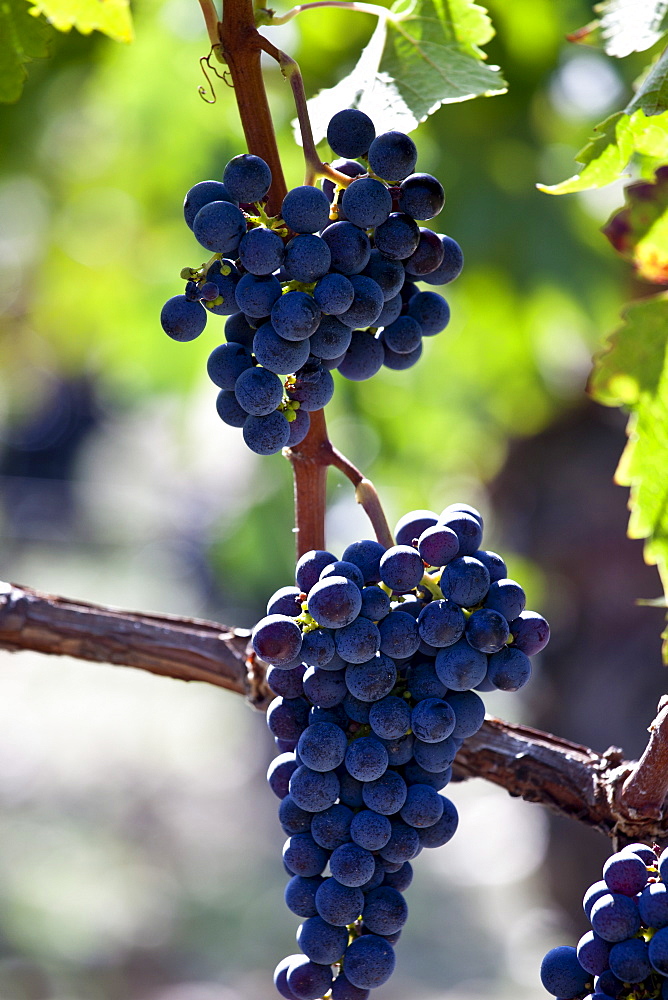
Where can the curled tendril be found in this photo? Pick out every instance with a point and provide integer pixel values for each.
(205, 63)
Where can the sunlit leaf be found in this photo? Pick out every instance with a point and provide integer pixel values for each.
(652, 94)
(615, 141)
(603, 159)
(420, 56)
(632, 371)
(22, 39)
(625, 26)
(112, 17)
(639, 232)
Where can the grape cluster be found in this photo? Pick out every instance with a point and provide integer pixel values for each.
(625, 955)
(330, 284)
(374, 658)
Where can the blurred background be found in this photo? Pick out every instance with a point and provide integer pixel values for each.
(140, 851)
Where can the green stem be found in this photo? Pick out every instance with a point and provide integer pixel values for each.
(212, 21)
(363, 8)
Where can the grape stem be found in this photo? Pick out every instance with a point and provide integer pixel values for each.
(363, 8)
(315, 167)
(310, 461)
(212, 22)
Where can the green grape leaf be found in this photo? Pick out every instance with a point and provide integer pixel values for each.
(606, 157)
(422, 54)
(623, 27)
(24, 38)
(111, 17)
(639, 231)
(632, 371)
(652, 94)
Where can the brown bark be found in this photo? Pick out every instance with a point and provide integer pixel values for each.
(569, 779)
(242, 50)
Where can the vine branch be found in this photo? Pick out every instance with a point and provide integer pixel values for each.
(569, 779)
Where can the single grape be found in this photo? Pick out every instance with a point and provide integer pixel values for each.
(399, 636)
(423, 806)
(401, 568)
(451, 265)
(469, 711)
(300, 894)
(305, 209)
(385, 911)
(256, 294)
(303, 856)
(277, 639)
(349, 247)
(367, 303)
(397, 237)
(219, 226)
(430, 310)
(366, 202)
(561, 974)
(427, 256)
(239, 331)
(318, 647)
(487, 631)
(226, 363)
(338, 904)
(421, 196)
(307, 258)
(247, 177)
(313, 387)
(509, 669)
(432, 720)
(228, 409)
(322, 746)
(334, 602)
(530, 631)
(366, 759)
(459, 666)
(334, 292)
(350, 133)
(392, 156)
(359, 641)
(182, 319)
(391, 311)
(308, 980)
(369, 961)
(261, 250)
(325, 688)
(276, 354)
(266, 435)
(295, 315)
(332, 338)
(259, 391)
(403, 336)
(351, 865)
(441, 623)
(363, 358)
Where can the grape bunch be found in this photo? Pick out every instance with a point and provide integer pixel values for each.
(374, 658)
(329, 284)
(625, 955)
